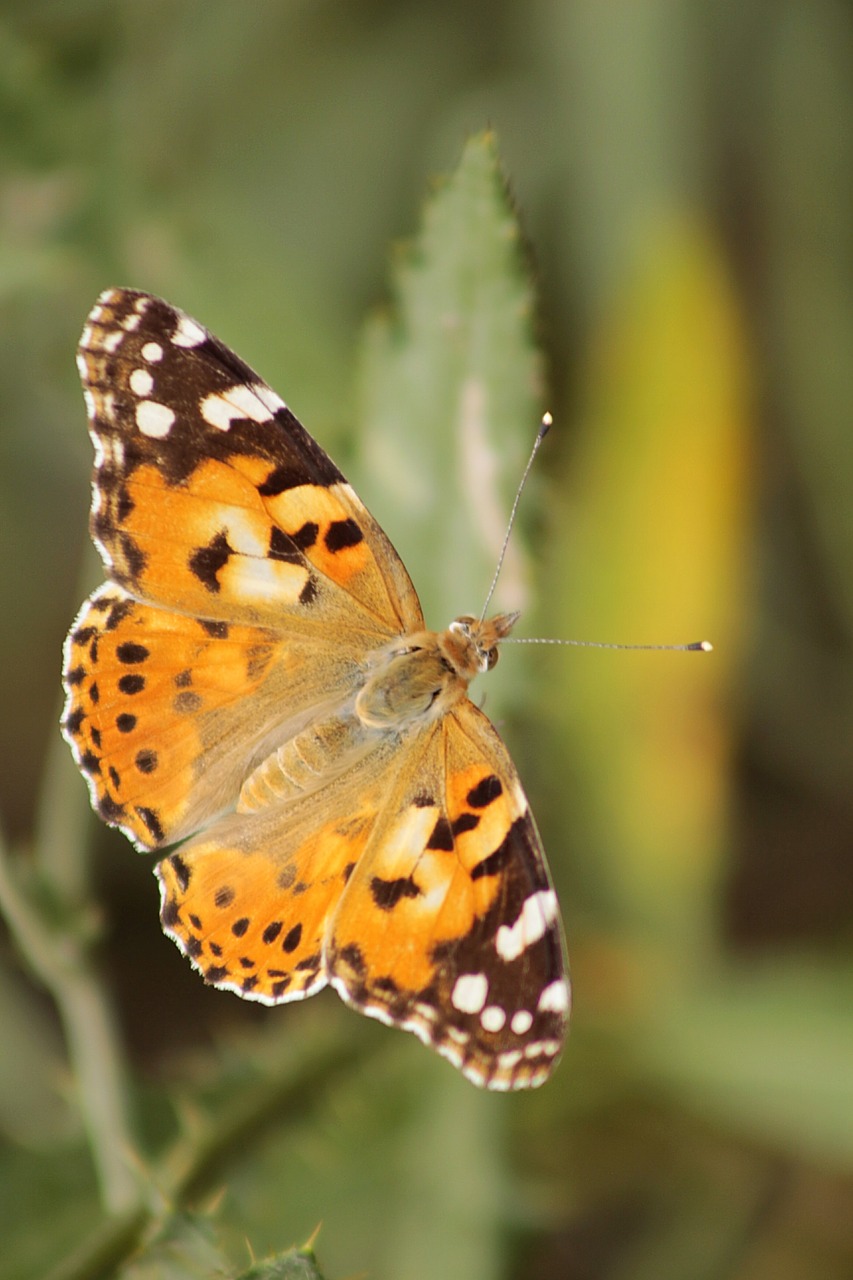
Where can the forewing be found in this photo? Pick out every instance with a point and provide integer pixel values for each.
(210, 498)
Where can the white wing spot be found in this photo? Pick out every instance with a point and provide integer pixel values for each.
(246, 536)
(112, 451)
(141, 382)
(103, 550)
(542, 1049)
(510, 1059)
(521, 1022)
(188, 333)
(377, 1011)
(538, 913)
(129, 324)
(497, 1083)
(268, 398)
(153, 419)
(469, 992)
(217, 412)
(493, 1018)
(518, 797)
(555, 997)
(252, 578)
(112, 341)
(152, 352)
(450, 1053)
(242, 401)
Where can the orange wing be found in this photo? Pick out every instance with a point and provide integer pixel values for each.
(167, 714)
(414, 883)
(450, 926)
(210, 498)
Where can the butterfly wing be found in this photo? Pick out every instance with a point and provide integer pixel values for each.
(465, 946)
(415, 883)
(166, 714)
(210, 498)
(249, 900)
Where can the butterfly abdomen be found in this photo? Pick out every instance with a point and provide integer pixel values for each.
(306, 762)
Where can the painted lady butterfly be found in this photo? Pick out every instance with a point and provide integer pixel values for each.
(256, 676)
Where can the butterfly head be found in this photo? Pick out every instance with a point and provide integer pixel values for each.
(471, 644)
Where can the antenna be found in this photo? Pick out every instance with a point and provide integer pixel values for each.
(544, 428)
(696, 646)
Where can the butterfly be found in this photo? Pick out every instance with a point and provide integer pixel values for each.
(255, 684)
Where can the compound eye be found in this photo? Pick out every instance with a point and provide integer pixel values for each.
(492, 657)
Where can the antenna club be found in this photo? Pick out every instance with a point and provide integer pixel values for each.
(698, 646)
(546, 424)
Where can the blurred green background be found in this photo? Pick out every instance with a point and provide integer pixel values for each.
(682, 173)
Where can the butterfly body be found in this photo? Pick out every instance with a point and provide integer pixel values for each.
(256, 680)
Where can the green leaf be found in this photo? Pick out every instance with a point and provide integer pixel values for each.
(450, 392)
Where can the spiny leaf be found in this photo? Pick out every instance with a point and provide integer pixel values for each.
(450, 389)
